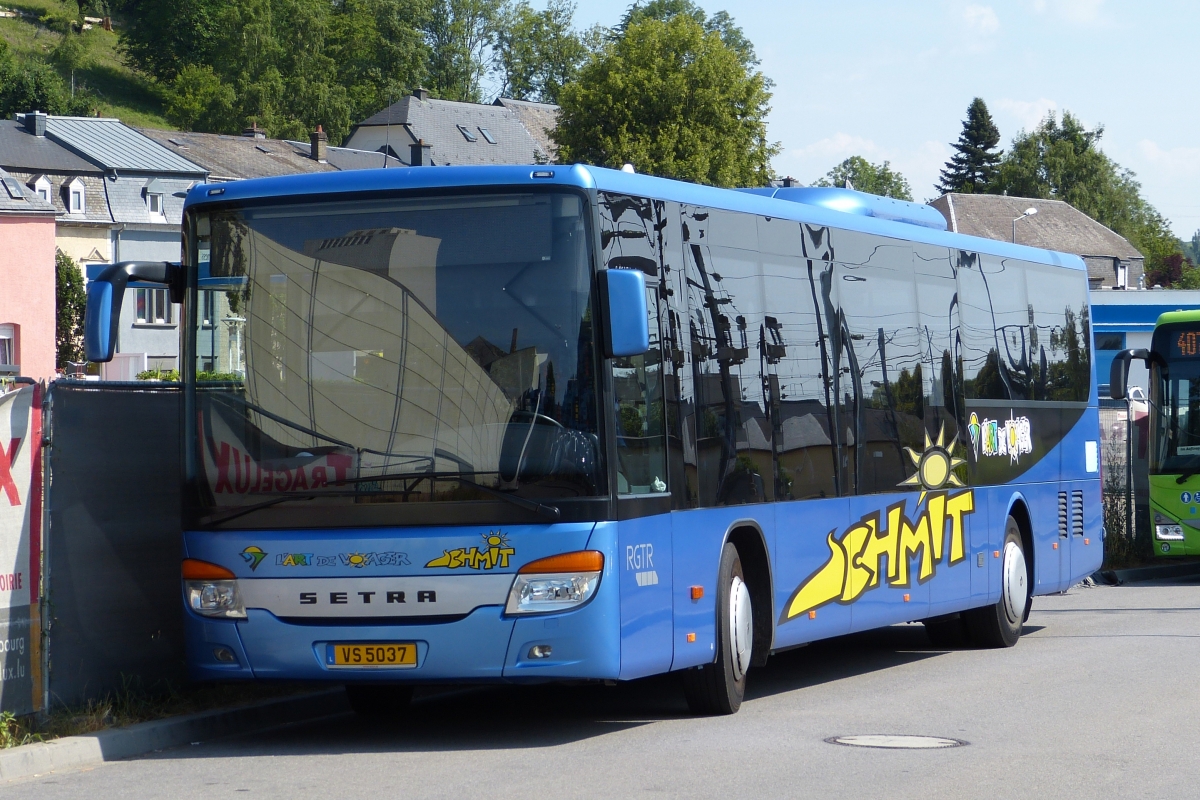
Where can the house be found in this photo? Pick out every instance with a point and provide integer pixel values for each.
(421, 131)
(1124, 320)
(1112, 262)
(27, 297)
(119, 197)
(253, 155)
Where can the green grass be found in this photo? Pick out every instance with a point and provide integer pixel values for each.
(121, 92)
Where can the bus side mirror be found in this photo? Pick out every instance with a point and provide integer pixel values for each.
(101, 318)
(1118, 377)
(627, 318)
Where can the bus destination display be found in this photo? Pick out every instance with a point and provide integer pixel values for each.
(1185, 344)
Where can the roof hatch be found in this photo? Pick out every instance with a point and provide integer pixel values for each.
(849, 201)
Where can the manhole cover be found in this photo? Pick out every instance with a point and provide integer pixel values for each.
(893, 742)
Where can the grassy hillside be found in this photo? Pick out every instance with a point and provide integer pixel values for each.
(121, 92)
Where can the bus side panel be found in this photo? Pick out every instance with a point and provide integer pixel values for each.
(985, 589)
(803, 529)
(886, 604)
(698, 536)
(643, 570)
(1087, 550)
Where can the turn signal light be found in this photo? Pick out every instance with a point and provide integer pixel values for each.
(697, 592)
(197, 570)
(579, 561)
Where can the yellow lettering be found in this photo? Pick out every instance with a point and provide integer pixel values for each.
(911, 540)
(859, 575)
(823, 585)
(881, 543)
(958, 506)
(935, 509)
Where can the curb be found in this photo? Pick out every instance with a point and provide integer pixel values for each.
(1116, 577)
(73, 752)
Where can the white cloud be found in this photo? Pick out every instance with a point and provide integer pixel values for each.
(1079, 12)
(1175, 160)
(840, 145)
(981, 18)
(1027, 113)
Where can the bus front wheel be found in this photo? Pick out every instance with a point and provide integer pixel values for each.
(1000, 625)
(718, 688)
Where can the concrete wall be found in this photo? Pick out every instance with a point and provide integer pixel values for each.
(27, 290)
(80, 242)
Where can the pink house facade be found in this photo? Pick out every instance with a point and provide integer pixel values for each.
(27, 279)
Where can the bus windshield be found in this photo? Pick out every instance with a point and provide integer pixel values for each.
(1175, 392)
(394, 351)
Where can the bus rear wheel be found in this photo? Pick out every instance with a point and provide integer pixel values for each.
(1000, 625)
(718, 688)
(379, 701)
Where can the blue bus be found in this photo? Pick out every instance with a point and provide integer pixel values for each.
(525, 424)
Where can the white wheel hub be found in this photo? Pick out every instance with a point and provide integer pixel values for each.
(1016, 582)
(741, 626)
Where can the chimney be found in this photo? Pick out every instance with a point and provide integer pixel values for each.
(35, 123)
(421, 94)
(319, 140)
(254, 132)
(420, 154)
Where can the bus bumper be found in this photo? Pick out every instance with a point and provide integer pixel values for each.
(483, 646)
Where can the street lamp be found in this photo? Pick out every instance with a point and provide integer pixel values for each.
(1029, 212)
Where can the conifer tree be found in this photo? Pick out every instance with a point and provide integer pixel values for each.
(974, 164)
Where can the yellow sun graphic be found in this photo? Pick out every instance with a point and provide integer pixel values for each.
(495, 539)
(935, 466)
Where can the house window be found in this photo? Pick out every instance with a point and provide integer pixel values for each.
(75, 197)
(8, 346)
(42, 188)
(488, 135)
(154, 201)
(154, 307)
(1110, 341)
(470, 137)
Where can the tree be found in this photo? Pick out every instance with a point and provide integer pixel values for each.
(864, 176)
(161, 37)
(720, 23)
(459, 34)
(70, 54)
(1062, 161)
(673, 100)
(70, 300)
(36, 86)
(974, 165)
(198, 100)
(537, 52)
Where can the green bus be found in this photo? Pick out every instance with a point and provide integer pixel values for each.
(1174, 429)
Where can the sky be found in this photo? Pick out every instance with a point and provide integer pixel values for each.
(892, 81)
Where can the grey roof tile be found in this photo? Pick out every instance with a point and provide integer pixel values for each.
(114, 145)
(95, 202)
(1057, 225)
(26, 202)
(436, 122)
(235, 157)
(347, 158)
(21, 150)
(127, 198)
(539, 119)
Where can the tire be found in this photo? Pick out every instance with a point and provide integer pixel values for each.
(379, 701)
(1000, 625)
(947, 634)
(718, 688)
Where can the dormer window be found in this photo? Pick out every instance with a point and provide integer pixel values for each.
(42, 188)
(75, 197)
(154, 198)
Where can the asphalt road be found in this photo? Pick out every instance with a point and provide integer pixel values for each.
(1100, 698)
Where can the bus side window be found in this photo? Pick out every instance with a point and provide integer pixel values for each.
(796, 372)
(938, 327)
(1062, 359)
(630, 239)
(726, 311)
(679, 385)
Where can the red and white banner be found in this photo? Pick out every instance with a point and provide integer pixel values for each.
(20, 547)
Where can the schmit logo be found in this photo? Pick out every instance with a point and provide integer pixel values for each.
(365, 598)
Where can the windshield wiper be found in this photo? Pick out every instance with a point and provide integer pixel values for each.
(551, 512)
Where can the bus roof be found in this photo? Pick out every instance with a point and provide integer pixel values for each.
(586, 177)
(1182, 315)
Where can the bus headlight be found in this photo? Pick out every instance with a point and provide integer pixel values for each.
(557, 583)
(1168, 533)
(211, 598)
(1165, 530)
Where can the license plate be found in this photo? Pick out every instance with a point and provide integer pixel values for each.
(380, 654)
